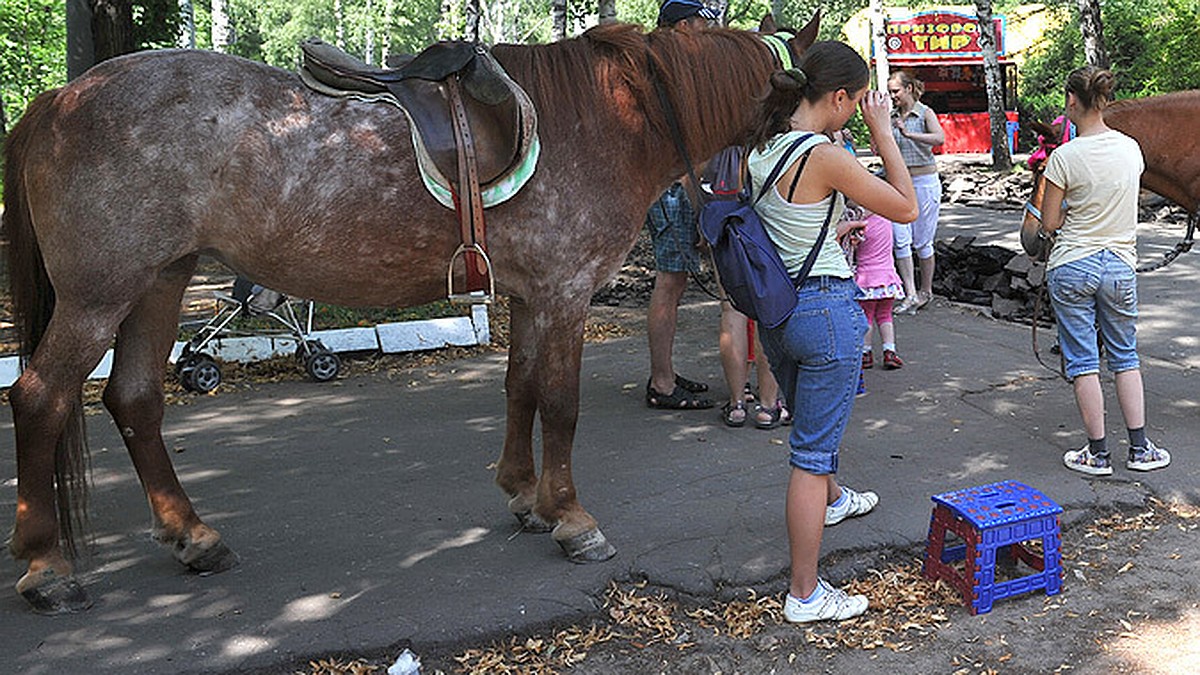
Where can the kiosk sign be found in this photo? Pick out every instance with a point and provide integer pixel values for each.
(938, 34)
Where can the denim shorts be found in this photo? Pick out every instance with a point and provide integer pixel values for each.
(816, 356)
(1098, 292)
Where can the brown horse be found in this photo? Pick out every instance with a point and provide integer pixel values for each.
(1168, 129)
(117, 182)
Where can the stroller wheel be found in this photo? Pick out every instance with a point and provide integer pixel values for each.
(203, 376)
(322, 365)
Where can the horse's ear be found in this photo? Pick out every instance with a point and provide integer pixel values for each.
(1043, 129)
(768, 26)
(808, 34)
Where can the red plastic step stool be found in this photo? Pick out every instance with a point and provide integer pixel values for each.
(989, 518)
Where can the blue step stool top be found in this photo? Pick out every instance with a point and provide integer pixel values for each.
(995, 504)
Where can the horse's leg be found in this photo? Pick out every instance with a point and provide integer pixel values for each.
(558, 328)
(515, 472)
(134, 397)
(45, 402)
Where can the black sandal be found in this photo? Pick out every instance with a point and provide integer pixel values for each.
(774, 416)
(728, 411)
(690, 385)
(679, 399)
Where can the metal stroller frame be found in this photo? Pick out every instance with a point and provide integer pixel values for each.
(198, 371)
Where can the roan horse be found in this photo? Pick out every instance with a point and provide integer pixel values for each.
(1168, 129)
(116, 183)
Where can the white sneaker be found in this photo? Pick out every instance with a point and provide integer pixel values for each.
(855, 504)
(1148, 458)
(1083, 461)
(835, 604)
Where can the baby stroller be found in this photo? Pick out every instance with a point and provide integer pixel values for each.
(198, 371)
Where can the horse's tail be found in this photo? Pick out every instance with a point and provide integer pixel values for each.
(33, 305)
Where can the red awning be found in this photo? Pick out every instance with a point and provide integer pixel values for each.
(936, 62)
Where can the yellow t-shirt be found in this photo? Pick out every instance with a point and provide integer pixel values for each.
(1100, 175)
(794, 227)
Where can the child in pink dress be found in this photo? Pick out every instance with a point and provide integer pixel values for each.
(875, 273)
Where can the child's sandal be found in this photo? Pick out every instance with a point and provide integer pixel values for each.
(766, 418)
(734, 414)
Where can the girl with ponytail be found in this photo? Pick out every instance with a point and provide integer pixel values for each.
(815, 354)
(1091, 201)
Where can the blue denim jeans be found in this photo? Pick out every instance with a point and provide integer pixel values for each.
(1097, 292)
(816, 357)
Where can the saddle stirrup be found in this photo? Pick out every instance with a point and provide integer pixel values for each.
(470, 297)
(470, 211)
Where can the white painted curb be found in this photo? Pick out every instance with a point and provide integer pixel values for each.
(389, 338)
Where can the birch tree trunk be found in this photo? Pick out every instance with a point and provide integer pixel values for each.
(1093, 33)
(187, 25)
(369, 38)
(220, 26)
(473, 14)
(558, 20)
(339, 24)
(607, 11)
(879, 43)
(1001, 158)
(777, 11)
(385, 47)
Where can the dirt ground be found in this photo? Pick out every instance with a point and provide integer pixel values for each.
(1113, 620)
(1131, 607)
(1132, 604)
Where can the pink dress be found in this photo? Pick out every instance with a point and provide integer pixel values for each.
(875, 271)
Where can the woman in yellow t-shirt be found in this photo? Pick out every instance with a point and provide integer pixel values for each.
(1091, 270)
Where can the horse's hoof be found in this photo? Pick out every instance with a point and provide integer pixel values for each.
(588, 547)
(530, 522)
(60, 596)
(217, 559)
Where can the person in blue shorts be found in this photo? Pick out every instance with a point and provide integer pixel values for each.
(1091, 202)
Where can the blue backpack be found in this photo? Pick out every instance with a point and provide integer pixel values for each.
(747, 262)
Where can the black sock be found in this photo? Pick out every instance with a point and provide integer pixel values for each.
(1098, 448)
(1137, 437)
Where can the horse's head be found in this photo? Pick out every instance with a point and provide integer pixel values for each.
(1050, 136)
(802, 39)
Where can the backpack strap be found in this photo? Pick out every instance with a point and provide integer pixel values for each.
(811, 258)
(780, 166)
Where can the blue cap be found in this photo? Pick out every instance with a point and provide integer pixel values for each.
(674, 11)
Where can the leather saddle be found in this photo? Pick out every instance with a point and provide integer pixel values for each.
(472, 126)
(502, 119)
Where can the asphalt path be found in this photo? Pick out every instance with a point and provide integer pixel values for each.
(367, 521)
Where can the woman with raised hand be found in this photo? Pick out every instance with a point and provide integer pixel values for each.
(815, 354)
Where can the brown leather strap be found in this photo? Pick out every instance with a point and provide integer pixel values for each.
(470, 212)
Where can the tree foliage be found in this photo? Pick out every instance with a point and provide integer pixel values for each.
(1151, 45)
(33, 51)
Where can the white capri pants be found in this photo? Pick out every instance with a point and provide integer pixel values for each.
(918, 235)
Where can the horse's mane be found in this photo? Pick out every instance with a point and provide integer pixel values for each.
(608, 61)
